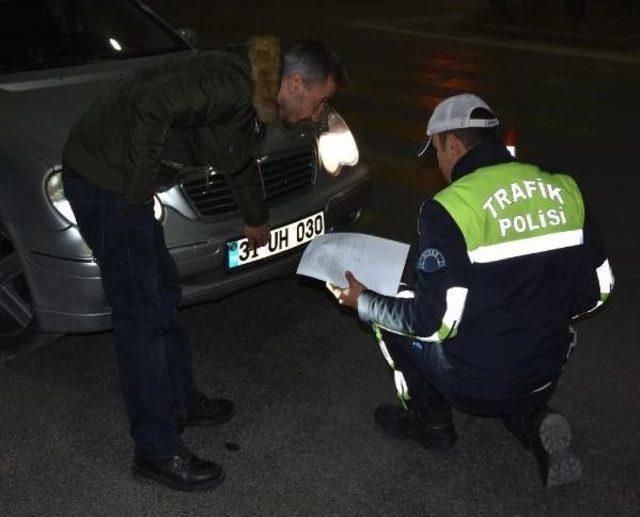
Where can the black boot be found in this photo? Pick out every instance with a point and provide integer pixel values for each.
(551, 445)
(548, 435)
(205, 411)
(180, 471)
(411, 424)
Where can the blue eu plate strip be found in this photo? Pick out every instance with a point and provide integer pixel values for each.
(233, 254)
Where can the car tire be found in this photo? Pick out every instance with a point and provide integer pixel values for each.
(19, 330)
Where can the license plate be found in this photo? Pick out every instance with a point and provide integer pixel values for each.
(281, 239)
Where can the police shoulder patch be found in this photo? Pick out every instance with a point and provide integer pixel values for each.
(431, 260)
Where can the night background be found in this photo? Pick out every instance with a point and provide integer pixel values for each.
(564, 78)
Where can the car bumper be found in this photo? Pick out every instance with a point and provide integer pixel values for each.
(203, 274)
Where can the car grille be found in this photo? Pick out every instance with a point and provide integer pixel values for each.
(282, 173)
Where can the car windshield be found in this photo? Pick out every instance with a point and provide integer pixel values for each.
(37, 34)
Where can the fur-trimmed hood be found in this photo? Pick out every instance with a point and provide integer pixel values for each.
(265, 56)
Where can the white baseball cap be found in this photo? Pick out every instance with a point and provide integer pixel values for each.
(455, 113)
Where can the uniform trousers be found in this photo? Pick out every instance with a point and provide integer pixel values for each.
(424, 379)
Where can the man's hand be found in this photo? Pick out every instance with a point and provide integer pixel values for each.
(258, 235)
(349, 295)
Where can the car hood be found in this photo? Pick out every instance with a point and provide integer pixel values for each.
(37, 109)
(38, 121)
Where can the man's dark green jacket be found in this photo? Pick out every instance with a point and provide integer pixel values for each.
(199, 110)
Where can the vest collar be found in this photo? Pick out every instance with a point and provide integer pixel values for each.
(489, 153)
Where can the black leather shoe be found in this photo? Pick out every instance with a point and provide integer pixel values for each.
(403, 424)
(180, 471)
(205, 411)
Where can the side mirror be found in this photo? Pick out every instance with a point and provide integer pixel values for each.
(188, 35)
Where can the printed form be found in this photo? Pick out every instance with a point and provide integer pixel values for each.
(376, 262)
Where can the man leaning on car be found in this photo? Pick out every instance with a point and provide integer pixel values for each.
(204, 110)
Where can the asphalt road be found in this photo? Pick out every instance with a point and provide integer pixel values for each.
(304, 374)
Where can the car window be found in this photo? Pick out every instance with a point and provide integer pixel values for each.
(36, 34)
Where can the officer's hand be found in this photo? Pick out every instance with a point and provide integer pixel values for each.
(258, 235)
(349, 295)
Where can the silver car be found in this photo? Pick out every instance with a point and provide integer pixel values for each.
(56, 57)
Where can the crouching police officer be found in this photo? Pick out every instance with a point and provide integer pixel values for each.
(506, 259)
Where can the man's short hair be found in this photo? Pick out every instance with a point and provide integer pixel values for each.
(314, 62)
(473, 136)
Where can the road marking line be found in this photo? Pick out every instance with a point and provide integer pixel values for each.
(489, 42)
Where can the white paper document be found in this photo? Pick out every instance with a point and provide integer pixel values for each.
(376, 262)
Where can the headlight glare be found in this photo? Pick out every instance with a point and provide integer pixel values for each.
(158, 209)
(337, 147)
(55, 192)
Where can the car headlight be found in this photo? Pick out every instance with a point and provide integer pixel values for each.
(337, 147)
(55, 193)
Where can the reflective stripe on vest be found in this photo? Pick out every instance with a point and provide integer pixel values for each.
(456, 299)
(605, 279)
(514, 209)
(505, 250)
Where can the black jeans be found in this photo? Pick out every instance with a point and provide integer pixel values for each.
(141, 284)
(425, 377)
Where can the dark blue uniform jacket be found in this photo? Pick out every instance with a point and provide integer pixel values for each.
(514, 335)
